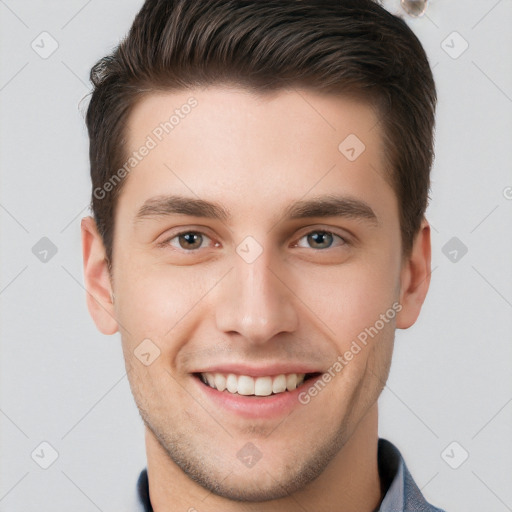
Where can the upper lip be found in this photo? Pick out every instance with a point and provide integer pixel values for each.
(259, 371)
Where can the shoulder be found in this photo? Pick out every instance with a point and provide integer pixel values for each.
(403, 495)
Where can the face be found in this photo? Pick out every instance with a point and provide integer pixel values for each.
(253, 251)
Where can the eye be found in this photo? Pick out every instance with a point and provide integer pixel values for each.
(320, 240)
(188, 240)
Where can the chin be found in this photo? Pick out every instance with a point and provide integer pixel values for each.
(252, 486)
(269, 479)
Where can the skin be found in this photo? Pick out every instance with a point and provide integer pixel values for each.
(300, 301)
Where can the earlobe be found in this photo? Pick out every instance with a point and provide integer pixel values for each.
(97, 278)
(415, 278)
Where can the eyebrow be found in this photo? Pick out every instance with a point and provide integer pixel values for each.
(180, 205)
(322, 206)
(331, 206)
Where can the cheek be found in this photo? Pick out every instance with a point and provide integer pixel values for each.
(154, 300)
(351, 298)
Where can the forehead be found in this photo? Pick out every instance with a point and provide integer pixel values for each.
(235, 146)
(219, 111)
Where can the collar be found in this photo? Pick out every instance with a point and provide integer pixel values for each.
(402, 495)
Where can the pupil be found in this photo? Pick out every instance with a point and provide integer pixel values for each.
(320, 238)
(191, 240)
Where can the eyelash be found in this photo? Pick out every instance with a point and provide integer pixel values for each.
(343, 240)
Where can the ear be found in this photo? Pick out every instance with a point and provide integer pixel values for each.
(97, 278)
(415, 278)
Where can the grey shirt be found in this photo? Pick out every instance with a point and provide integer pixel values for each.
(402, 495)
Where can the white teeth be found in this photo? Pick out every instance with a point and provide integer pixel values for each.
(210, 379)
(232, 383)
(220, 381)
(263, 386)
(246, 385)
(279, 384)
(291, 381)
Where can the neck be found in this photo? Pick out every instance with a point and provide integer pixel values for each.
(349, 483)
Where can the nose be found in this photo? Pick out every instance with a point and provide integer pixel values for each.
(255, 301)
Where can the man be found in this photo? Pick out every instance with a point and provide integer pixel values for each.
(260, 176)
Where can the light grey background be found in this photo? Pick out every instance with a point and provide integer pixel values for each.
(64, 383)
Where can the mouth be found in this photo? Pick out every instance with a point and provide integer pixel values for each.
(262, 386)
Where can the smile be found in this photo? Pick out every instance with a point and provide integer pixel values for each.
(259, 386)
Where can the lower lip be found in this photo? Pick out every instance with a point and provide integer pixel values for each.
(252, 407)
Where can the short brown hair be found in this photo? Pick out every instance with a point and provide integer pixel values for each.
(352, 47)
